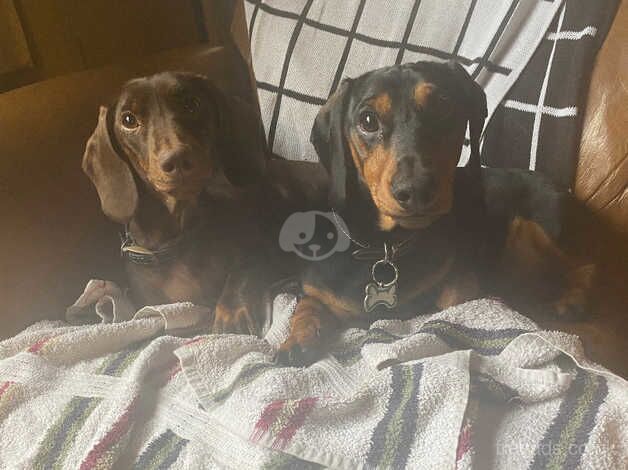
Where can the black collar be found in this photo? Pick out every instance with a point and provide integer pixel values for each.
(394, 251)
(137, 254)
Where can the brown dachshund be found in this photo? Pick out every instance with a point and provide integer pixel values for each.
(174, 160)
(424, 234)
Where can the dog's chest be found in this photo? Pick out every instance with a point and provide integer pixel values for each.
(419, 274)
(181, 283)
(197, 275)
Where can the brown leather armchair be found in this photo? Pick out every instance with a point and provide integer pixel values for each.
(54, 238)
(602, 186)
(602, 175)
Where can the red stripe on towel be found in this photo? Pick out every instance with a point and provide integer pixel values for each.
(296, 421)
(464, 442)
(174, 372)
(117, 431)
(36, 347)
(4, 387)
(266, 419)
(194, 340)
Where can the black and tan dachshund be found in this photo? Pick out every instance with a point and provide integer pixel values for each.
(424, 233)
(181, 165)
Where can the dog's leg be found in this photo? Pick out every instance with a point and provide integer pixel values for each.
(531, 255)
(575, 296)
(310, 322)
(240, 304)
(461, 288)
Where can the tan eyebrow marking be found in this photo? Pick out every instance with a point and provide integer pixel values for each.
(422, 92)
(382, 104)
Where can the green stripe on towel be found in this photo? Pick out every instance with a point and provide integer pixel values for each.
(161, 452)
(63, 433)
(391, 440)
(566, 438)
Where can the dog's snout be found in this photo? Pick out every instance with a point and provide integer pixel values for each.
(402, 184)
(413, 192)
(403, 194)
(406, 165)
(426, 189)
(176, 161)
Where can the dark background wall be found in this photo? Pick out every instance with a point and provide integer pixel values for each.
(41, 39)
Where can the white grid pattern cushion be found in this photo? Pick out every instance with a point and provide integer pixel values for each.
(303, 48)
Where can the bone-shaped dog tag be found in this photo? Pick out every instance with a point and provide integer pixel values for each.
(383, 289)
(379, 295)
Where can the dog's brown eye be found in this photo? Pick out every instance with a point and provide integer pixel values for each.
(368, 121)
(129, 120)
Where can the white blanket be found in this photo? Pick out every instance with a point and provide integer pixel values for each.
(476, 385)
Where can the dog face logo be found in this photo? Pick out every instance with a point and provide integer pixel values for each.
(314, 235)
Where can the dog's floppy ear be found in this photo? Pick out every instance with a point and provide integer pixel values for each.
(476, 106)
(469, 193)
(241, 142)
(109, 173)
(328, 139)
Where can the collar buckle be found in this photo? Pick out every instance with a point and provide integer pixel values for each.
(137, 254)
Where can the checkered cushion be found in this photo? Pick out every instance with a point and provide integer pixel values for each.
(538, 124)
(303, 48)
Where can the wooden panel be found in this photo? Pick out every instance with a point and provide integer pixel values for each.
(47, 30)
(112, 30)
(14, 53)
(66, 36)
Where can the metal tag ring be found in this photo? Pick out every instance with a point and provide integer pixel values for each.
(380, 263)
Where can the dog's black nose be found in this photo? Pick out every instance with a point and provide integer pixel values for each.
(405, 194)
(414, 193)
(176, 161)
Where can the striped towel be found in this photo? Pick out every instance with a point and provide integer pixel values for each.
(111, 395)
(439, 391)
(474, 386)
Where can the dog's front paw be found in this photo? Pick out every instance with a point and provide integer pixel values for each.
(234, 320)
(308, 324)
(296, 355)
(575, 300)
